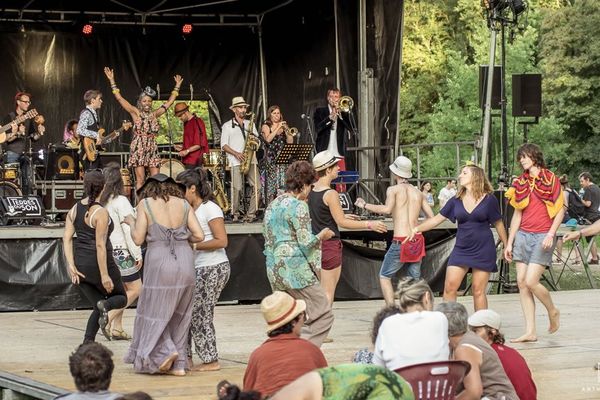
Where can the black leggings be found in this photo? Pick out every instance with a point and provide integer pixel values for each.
(117, 299)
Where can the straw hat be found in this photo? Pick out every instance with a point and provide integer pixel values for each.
(324, 160)
(280, 308)
(402, 167)
(180, 108)
(237, 102)
(486, 318)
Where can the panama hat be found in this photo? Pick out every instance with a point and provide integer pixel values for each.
(402, 167)
(280, 308)
(237, 102)
(485, 318)
(324, 160)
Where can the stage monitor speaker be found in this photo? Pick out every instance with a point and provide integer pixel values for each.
(63, 164)
(483, 73)
(20, 208)
(106, 159)
(527, 95)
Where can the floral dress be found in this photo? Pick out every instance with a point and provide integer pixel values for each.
(275, 178)
(144, 149)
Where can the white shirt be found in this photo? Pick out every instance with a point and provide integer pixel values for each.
(333, 145)
(231, 134)
(412, 338)
(445, 195)
(205, 213)
(118, 208)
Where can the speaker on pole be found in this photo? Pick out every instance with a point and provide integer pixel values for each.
(483, 73)
(527, 95)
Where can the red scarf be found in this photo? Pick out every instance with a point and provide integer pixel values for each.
(546, 187)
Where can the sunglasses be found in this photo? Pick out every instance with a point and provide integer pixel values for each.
(25, 101)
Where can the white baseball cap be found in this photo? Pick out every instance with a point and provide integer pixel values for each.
(485, 318)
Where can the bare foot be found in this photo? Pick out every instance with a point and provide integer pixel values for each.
(168, 363)
(213, 366)
(176, 372)
(525, 338)
(554, 320)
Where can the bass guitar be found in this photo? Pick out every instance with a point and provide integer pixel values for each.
(28, 115)
(89, 144)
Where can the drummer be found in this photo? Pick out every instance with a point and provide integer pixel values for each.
(195, 142)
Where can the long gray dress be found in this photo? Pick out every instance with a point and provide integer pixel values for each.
(164, 309)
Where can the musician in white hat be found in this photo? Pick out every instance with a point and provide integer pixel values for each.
(234, 134)
(404, 202)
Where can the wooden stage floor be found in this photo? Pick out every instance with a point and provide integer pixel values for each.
(36, 345)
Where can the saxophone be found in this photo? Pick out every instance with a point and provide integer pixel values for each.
(219, 189)
(252, 144)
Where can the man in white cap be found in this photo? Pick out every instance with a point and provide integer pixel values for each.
(233, 140)
(284, 356)
(404, 202)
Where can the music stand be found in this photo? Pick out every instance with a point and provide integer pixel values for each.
(293, 152)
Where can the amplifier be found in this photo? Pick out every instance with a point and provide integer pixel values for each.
(63, 163)
(59, 196)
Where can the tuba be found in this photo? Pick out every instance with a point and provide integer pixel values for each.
(252, 144)
(346, 104)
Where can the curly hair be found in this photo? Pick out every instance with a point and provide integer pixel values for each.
(163, 190)
(382, 314)
(534, 152)
(298, 174)
(91, 366)
(113, 183)
(197, 177)
(93, 183)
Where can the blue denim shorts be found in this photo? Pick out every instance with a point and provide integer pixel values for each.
(528, 249)
(391, 263)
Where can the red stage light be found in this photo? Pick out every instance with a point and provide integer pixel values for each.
(87, 29)
(186, 29)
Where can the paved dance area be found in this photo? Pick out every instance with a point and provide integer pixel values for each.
(37, 345)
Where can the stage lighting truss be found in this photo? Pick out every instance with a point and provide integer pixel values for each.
(503, 11)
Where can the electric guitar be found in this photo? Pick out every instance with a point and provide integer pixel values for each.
(89, 144)
(28, 115)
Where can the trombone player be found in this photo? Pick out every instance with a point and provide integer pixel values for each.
(332, 124)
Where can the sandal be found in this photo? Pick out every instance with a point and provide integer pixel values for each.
(119, 334)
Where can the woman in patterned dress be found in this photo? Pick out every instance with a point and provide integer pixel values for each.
(144, 149)
(273, 132)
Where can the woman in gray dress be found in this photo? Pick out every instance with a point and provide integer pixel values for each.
(164, 307)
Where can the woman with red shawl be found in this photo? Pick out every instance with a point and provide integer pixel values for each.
(537, 198)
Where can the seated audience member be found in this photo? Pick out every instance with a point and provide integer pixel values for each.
(91, 366)
(233, 392)
(487, 377)
(348, 381)
(284, 356)
(416, 335)
(486, 324)
(365, 355)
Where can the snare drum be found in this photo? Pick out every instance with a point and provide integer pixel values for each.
(172, 168)
(10, 172)
(212, 158)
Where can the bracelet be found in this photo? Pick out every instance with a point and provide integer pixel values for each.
(163, 106)
(175, 93)
(115, 91)
(369, 225)
(176, 88)
(194, 245)
(113, 85)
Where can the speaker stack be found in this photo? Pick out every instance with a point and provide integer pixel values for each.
(527, 95)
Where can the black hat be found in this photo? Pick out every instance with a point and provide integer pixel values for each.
(160, 178)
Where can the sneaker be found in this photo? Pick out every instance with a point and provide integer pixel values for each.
(103, 319)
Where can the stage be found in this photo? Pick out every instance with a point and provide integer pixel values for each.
(36, 346)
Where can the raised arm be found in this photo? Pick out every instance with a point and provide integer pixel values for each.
(110, 75)
(174, 93)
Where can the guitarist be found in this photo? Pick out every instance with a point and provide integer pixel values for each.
(16, 140)
(88, 124)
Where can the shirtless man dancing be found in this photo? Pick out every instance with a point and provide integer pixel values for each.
(404, 202)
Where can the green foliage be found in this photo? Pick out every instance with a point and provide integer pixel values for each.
(168, 121)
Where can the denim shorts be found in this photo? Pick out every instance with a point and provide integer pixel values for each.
(528, 249)
(391, 264)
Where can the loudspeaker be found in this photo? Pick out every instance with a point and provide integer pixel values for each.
(527, 95)
(63, 164)
(20, 207)
(483, 73)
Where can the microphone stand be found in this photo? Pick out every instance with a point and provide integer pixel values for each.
(169, 134)
(310, 133)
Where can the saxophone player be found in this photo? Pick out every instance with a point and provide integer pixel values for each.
(234, 135)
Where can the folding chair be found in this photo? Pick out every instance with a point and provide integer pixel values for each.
(435, 380)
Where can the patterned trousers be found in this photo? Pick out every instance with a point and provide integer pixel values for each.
(210, 281)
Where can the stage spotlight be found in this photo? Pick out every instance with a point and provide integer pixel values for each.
(87, 29)
(186, 29)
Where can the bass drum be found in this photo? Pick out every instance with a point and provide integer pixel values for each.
(171, 168)
(9, 189)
